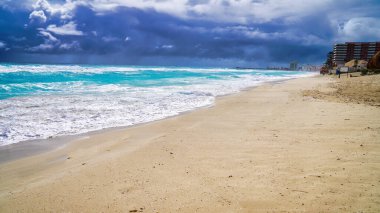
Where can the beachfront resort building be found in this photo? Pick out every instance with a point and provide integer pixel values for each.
(293, 65)
(354, 50)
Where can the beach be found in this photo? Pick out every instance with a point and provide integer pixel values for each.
(279, 147)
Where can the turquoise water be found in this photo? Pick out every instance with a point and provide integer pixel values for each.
(40, 101)
(25, 81)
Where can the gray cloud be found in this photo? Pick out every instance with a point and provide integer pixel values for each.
(198, 32)
(2, 44)
(359, 28)
(66, 29)
(74, 45)
(37, 15)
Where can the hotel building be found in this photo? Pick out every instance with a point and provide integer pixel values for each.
(354, 50)
(293, 65)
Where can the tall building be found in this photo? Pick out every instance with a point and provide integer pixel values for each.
(293, 65)
(354, 50)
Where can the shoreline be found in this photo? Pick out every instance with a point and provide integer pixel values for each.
(30, 148)
(266, 149)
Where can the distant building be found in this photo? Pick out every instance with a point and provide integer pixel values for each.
(293, 65)
(354, 50)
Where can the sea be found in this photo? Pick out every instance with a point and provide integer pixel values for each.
(39, 101)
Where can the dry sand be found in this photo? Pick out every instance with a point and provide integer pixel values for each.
(359, 89)
(269, 149)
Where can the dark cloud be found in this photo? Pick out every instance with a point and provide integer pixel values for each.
(126, 35)
(196, 2)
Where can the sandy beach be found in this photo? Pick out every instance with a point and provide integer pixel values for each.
(294, 146)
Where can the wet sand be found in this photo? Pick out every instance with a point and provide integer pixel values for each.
(272, 148)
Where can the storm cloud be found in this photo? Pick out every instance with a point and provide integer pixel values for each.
(202, 32)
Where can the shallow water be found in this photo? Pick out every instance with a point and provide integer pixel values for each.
(41, 101)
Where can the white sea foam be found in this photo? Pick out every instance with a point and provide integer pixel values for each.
(39, 68)
(79, 107)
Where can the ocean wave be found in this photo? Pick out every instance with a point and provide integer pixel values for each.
(40, 68)
(75, 104)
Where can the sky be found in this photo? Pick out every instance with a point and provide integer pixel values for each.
(223, 33)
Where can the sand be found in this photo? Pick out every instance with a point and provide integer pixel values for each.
(270, 149)
(358, 89)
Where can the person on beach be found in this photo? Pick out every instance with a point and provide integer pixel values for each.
(337, 72)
